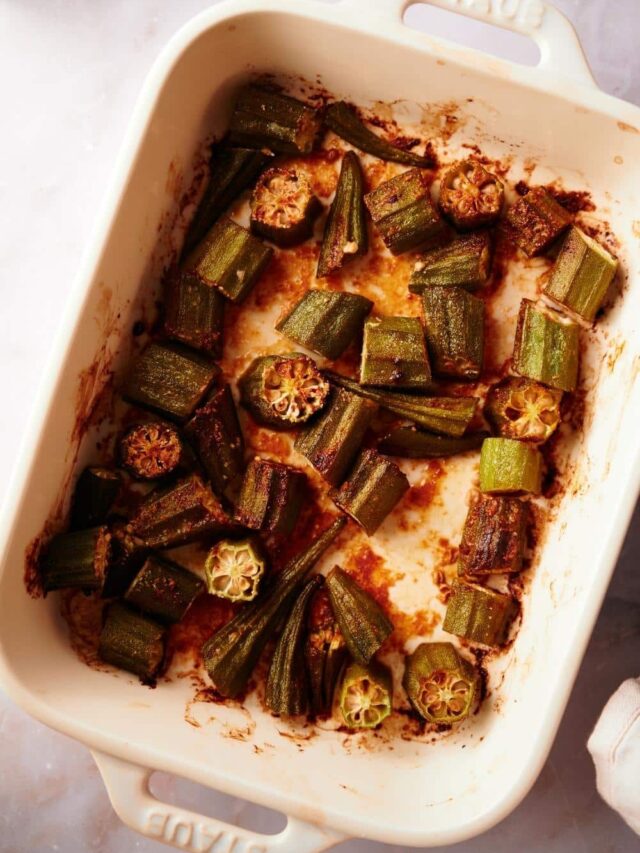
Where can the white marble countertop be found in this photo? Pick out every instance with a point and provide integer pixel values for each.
(71, 71)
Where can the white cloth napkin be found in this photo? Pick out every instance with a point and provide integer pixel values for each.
(615, 748)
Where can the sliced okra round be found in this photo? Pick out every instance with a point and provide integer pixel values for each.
(470, 196)
(283, 206)
(234, 568)
(440, 683)
(365, 695)
(523, 409)
(151, 450)
(508, 466)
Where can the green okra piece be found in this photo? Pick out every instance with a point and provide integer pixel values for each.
(470, 196)
(229, 258)
(326, 321)
(493, 537)
(79, 559)
(465, 262)
(441, 685)
(234, 569)
(454, 326)
(284, 207)
(403, 212)
(282, 391)
(325, 652)
(271, 496)
(333, 440)
(170, 379)
(231, 654)
(266, 119)
(394, 354)
(536, 221)
(478, 614)
(344, 121)
(581, 275)
(163, 589)
(546, 347)
(366, 692)
(345, 231)
(523, 409)
(363, 623)
(412, 443)
(194, 313)
(287, 689)
(444, 415)
(133, 642)
(508, 466)
(151, 450)
(372, 490)
(127, 557)
(94, 495)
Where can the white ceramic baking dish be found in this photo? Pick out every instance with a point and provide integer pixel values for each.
(413, 793)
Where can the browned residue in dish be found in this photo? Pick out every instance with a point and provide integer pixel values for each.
(84, 615)
(627, 128)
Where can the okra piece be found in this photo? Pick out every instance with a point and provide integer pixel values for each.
(465, 262)
(271, 496)
(215, 433)
(170, 379)
(151, 450)
(363, 623)
(287, 689)
(445, 415)
(234, 569)
(326, 321)
(178, 514)
(493, 537)
(133, 642)
(266, 119)
(454, 325)
(581, 275)
(194, 313)
(282, 391)
(508, 466)
(283, 206)
(345, 231)
(163, 589)
(547, 347)
(470, 196)
(229, 258)
(523, 409)
(344, 121)
(127, 557)
(478, 614)
(79, 560)
(536, 221)
(365, 695)
(411, 443)
(94, 495)
(404, 214)
(440, 683)
(394, 354)
(333, 440)
(372, 490)
(325, 652)
(231, 654)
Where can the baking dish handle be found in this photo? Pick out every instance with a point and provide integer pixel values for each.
(128, 788)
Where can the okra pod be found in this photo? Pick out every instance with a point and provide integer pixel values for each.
(231, 654)
(263, 118)
(363, 623)
(508, 466)
(194, 313)
(470, 196)
(79, 559)
(478, 614)
(411, 443)
(454, 325)
(151, 450)
(325, 652)
(345, 231)
(536, 221)
(283, 206)
(94, 495)
(547, 347)
(523, 409)
(133, 642)
(234, 569)
(163, 589)
(372, 490)
(465, 262)
(127, 557)
(440, 683)
(326, 321)
(493, 537)
(394, 354)
(270, 497)
(365, 695)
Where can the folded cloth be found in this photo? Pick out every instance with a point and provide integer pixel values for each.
(615, 748)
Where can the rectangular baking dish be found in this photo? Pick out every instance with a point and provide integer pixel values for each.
(403, 792)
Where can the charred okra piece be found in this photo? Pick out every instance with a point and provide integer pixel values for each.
(325, 652)
(373, 489)
(94, 495)
(282, 391)
(283, 206)
(270, 497)
(194, 313)
(345, 232)
(454, 324)
(365, 695)
(127, 557)
(77, 560)
(133, 642)
(470, 196)
(493, 537)
(478, 614)
(344, 121)
(231, 654)
(465, 262)
(523, 409)
(287, 689)
(508, 466)
(170, 379)
(581, 275)
(326, 321)
(229, 258)
(411, 443)
(266, 119)
(547, 347)
(404, 214)
(363, 623)
(394, 354)
(234, 568)
(536, 220)
(332, 442)
(440, 683)
(163, 589)
(151, 450)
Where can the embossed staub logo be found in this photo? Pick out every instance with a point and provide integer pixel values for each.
(528, 14)
(197, 836)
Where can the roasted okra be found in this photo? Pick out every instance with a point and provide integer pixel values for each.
(371, 491)
(523, 409)
(79, 559)
(270, 497)
(366, 693)
(95, 493)
(465, 262)
(132, 641)
(493, 537)
(470, 196)
(454, 325)
(394, 354)
(547, 347)
(478, 614)
(283, 206)
(363, 623)
(325, 652)
(194, 313)
(345, 231)
(264, 118)
(441, 685)
(536, 221)
(163, 589)
(508, 466)
(234, 569)
(151, 450)
(412, 443)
